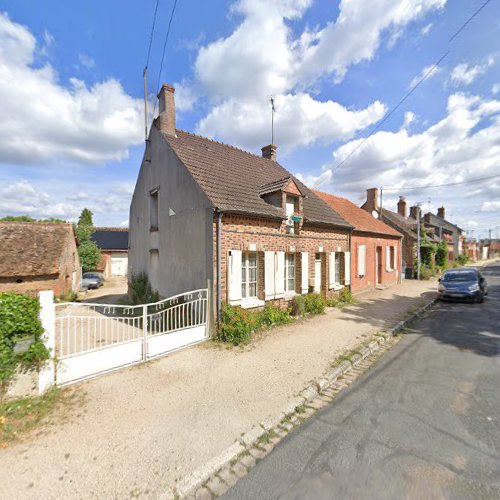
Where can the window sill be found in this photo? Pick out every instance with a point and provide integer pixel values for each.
(248, 303)
(290, 295)
(337, 286)
(153, 229)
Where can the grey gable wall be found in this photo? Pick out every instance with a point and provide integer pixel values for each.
(183, 243)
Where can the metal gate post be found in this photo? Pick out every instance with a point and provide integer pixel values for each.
(144, 332)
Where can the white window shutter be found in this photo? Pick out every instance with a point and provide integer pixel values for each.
(269, 271)
(331, 271)
(279, 281)
(347, 268)
(305, 272)
(387, 258)
(361, 260)
(234, 278)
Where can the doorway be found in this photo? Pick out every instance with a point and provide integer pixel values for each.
(378, 265)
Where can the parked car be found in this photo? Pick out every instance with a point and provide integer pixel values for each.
(462, 284)
(92, 280)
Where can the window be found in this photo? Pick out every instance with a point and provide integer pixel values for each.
(338, 266)
(153, 209)
(290, 209)
(290, 272)
(249, 275)
(361, 260)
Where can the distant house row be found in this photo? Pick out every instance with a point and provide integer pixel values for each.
(205, 213)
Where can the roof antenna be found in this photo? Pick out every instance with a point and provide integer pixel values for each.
(273, 109)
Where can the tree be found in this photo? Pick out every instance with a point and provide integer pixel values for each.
(85, 218)
(17, 218)
(89, 252)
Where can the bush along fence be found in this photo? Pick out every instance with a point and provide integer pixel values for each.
(26, 344)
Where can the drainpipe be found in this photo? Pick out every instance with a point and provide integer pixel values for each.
(219, 265)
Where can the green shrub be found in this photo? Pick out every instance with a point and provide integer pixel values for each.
(19, 320)
(298, 306)
(69, 296)
(236, 325)
(273, 315)
(141, 291)
(315, 303)
(346, 296)
(442, 255)
(462, 259)
(426, 273)
(19, 316)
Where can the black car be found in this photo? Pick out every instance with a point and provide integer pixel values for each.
(462, 284)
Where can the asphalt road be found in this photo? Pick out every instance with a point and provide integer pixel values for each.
(424, 422)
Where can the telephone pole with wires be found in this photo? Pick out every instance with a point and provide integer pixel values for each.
(273, 110)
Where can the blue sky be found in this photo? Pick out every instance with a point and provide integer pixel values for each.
(71, 89)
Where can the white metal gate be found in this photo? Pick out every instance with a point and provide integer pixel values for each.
(91, 339)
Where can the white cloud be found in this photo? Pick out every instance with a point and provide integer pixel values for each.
(451, 150)
(465, 74)
(427, 73)
(490, 206)
(263, 57)
(496, 88)
(86, 61)
(299, 121)
(426, 29)
(44, 121)
(185, 96)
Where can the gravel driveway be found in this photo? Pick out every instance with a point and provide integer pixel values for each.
(143, 427)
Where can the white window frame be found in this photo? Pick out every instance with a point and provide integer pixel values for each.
(245, 274)
(288, 267)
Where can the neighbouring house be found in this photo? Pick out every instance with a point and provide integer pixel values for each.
(36, 256)
(113, 242)
(375, 247)
(471, 249)
(446, 231)
(206, 212)
(401, 222)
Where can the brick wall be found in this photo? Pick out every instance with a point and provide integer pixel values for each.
(368, 281)
(240, 232)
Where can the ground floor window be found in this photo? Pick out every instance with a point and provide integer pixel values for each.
(289, 272)
(249, 275)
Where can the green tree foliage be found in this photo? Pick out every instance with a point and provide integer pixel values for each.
(141, 291)
(17, 218)
(88, 251)
(442, 254)
(90, 255)
(85, 218)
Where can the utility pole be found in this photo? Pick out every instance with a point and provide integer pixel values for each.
(273, 109)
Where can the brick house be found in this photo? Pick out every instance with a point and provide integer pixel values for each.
(37, 256)
(203, 211)
(113, 242)
(375, 246)
(446, 231)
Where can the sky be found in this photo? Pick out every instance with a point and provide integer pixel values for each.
(72, 113)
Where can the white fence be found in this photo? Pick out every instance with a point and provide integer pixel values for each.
(91, 339)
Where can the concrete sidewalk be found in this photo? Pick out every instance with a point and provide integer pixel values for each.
(143, 427)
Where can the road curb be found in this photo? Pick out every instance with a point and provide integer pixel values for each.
(261, 439)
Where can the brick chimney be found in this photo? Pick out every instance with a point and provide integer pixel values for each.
(441, 212)
(415, 211)
(371, 202)
(402, 206)
(269, 152)
(166, 118)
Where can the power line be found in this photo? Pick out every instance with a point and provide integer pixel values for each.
(441, 185)
(165, 47)
(410, 92)
(390, 112)
(151, 35)
(469, 20)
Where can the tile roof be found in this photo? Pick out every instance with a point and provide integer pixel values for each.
(32, 248)
(110, 238)
(435, 220)
(360, 219)
(233, 179)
